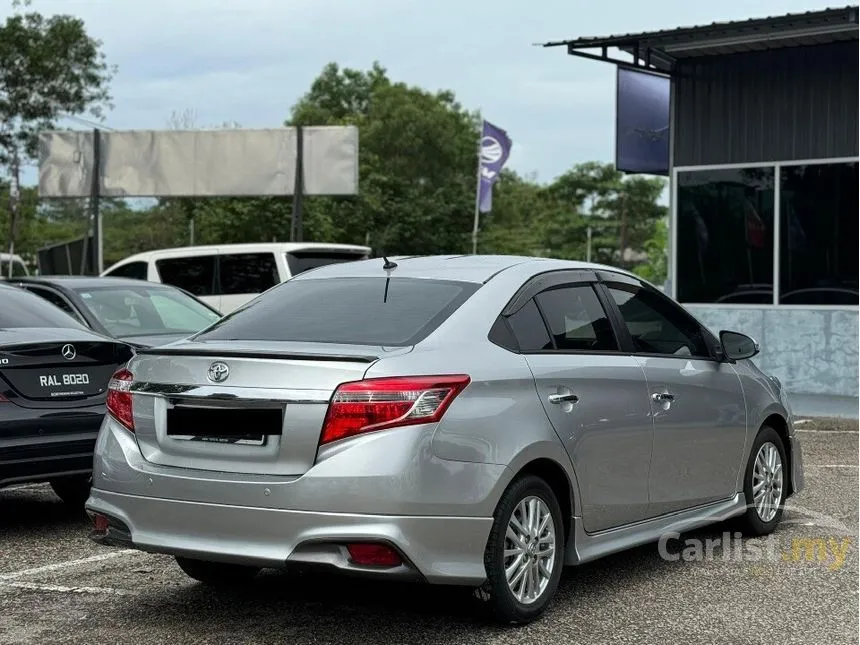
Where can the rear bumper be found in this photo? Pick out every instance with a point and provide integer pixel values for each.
(442, 550)
(40, 444)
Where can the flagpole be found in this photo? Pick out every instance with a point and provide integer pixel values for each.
(477, 194)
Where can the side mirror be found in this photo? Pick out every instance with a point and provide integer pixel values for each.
(737, 346)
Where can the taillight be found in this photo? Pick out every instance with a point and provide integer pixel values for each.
(382, 403)
(119, 398)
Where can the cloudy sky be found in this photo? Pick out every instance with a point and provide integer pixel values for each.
(249, 60)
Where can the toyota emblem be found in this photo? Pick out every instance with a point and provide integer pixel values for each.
(68, 352)
(218, 372)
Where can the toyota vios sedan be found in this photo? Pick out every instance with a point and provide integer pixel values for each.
(465, 420)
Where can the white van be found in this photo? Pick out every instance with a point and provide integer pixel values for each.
(19, 269)
(226, 276)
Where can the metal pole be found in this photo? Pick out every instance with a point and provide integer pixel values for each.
(477, 221)
(296, 232)
(14, 205)
(95, 215)
(588, 248)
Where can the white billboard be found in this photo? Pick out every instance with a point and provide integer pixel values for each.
(199, 163)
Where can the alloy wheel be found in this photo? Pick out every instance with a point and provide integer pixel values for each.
(530, 549)
(767, 484)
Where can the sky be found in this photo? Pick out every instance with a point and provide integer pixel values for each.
(248, 61)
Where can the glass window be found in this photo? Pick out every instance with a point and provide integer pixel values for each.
(725, 236)
(301, 261)
(393, 312)
(134, 270)
(146, 311)
(529, 329)
(247, 273)
(818, 230)
(657, 326)
(576, 319)
(195, 274)
(55, 299)
(24, 309)
(18, 269)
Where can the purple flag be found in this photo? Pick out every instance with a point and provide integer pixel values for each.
(495, 149)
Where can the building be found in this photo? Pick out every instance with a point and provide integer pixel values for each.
(763, 165)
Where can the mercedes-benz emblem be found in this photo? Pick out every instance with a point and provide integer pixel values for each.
(218, 372)
(68, 352)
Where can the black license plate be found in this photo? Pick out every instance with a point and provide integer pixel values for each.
(40, 383)
(224, 425)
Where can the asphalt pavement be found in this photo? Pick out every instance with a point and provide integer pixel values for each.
(801, 586)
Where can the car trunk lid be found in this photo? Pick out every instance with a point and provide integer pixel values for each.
(240, 407)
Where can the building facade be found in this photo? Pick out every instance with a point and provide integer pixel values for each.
(763, 167)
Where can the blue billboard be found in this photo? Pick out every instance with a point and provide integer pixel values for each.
(642, 123)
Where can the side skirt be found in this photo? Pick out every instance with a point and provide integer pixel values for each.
(590, 546)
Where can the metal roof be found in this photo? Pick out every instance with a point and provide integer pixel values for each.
(661, 50)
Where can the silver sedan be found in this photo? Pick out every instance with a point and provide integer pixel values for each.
(469, 420)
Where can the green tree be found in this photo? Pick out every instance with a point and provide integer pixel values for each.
(48, 66)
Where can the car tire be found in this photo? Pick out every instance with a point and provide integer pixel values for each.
(528, 496)
(74, 491)
(216, 574)
(767, 469)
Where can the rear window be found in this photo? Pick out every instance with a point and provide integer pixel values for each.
(195, 274)
(393, 312)
(24, 309)
(301, 261)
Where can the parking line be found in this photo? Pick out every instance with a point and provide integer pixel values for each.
(811, 431)
(32, 586)
(831, 466)
(65, 565)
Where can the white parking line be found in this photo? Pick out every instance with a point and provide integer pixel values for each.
(810, 431)
(13, 575)
(32, 586)
(831, 466)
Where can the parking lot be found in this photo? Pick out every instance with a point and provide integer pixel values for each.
(58, 587)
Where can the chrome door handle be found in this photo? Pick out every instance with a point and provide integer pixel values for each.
(663, 397)
(563, 398)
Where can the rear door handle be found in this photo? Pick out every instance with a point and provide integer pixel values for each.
(570, 397)
(663, 397)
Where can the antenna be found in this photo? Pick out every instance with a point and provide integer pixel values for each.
(388, 264)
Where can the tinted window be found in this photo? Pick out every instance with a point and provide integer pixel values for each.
(55, 299)
(134, 270)
(818, 231)
(725, 235)
(18, 269)
(576, 319)
(247, 273)
(529, 329)
(301, 261)
(146, 311)
(194, 274)
(23, 309)
(360, 311)
(657, 326)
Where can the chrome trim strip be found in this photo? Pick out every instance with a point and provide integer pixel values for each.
(222, 393)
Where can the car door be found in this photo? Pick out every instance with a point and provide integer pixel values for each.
(244, 276)
(594, 396)
(195, 273)
(696, 401)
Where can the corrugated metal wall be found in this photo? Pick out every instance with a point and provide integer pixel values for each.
(779, 105)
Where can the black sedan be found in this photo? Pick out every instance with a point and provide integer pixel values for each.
(143, 314)
(54, 376)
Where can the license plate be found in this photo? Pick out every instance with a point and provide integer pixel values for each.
(64, 384)
(223, 425)
(244, 440)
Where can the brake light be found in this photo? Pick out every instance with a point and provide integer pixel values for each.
(382, 403)
(119, 398)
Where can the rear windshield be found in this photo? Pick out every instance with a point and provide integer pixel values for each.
(301, 261)
(394, 312)
(19, 308)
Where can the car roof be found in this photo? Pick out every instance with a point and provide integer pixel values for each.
(465, 268)
(85, 281)
(224, 249)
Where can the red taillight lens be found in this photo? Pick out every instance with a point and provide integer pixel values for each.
(381, 403)
(119, 397)
(374, 555)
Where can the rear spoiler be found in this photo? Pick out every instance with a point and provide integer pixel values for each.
(306, 356)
